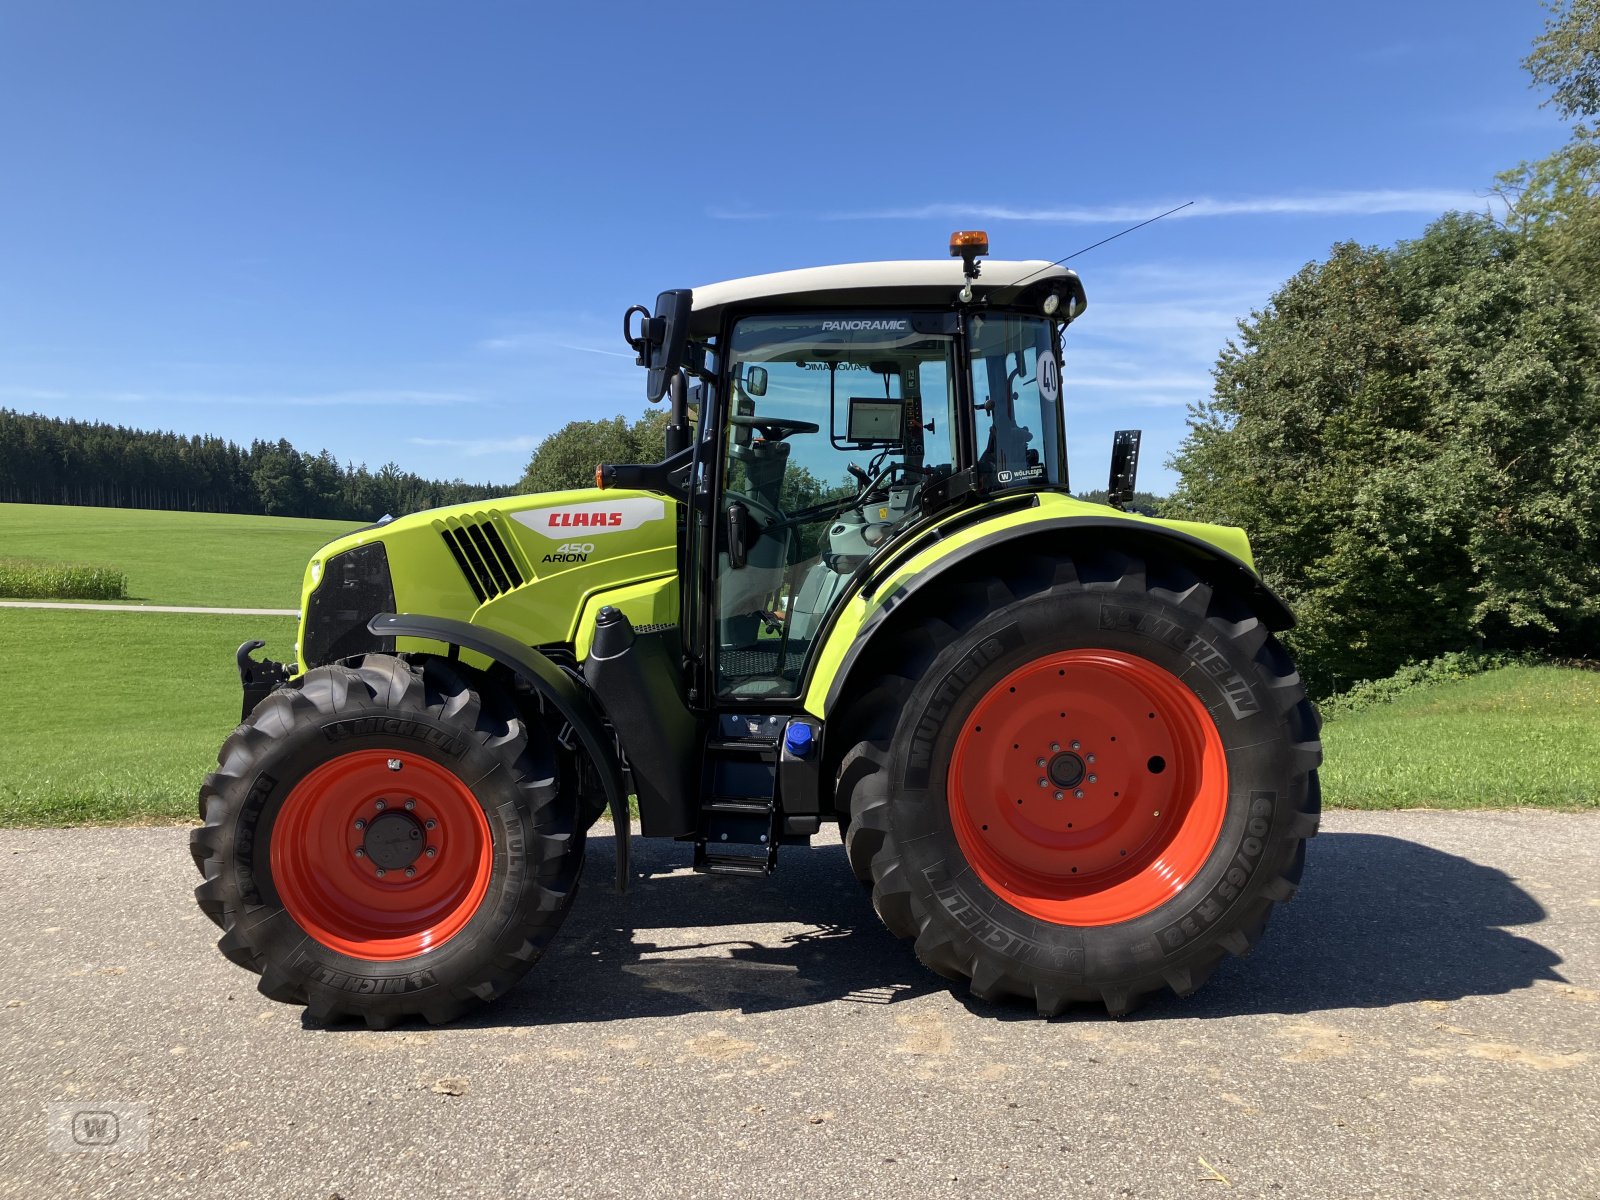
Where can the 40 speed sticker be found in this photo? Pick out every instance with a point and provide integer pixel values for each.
(597, 517)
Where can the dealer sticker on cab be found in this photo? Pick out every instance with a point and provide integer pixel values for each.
(601, 516)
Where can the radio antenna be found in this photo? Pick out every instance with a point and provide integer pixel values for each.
(1102, 242)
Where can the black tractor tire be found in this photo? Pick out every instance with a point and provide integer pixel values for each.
(505, 871)
(985, 919)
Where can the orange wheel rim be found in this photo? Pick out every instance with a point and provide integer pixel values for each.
(381, 855)
(1088, 787)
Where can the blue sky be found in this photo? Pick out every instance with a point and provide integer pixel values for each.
(408, 231)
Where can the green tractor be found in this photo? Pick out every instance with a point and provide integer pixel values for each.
(1060, 741)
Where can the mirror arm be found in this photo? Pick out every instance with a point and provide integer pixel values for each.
(677, 431)
(669, 477)
(1124, 468)
(697, 363)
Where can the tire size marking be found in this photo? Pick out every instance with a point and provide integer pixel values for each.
(1231, 886)
(441, 740)
(244, 850)
(951, 688)
(1236, 689)
(396, 985)
(1014, 946)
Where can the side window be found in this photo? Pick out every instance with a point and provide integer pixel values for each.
(1016, 391)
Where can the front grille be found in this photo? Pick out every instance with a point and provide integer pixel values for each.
(483, 556)
(355, 587)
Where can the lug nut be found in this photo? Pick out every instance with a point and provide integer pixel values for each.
(1055, 747)
(430, 823)
(1089, 758)
(1078, 793)
(410, 804)
(381, 872)
(1094, 779)
(1043, 782)
(394, 764)
(1038, 762)
(410, 871)
(1077, 745)
(361, 823)
(360, 853)
(381, 805)
(1061, 795)
(431, 851)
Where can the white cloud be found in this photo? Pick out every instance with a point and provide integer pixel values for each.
(596, 350)
(1372, 202)
(23, 393)
(478, 447)
(739, 214)
(352, 398)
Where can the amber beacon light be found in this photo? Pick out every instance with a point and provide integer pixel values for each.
(969, 243)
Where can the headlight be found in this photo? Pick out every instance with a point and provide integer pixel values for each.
(354, 588)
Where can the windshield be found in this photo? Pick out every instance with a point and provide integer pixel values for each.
(837, 423)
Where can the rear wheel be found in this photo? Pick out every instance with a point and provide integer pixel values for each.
(386, 840)
(1087, 780)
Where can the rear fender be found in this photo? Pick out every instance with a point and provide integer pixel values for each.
(1056, 535)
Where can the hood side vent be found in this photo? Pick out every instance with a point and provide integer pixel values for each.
(483, 556)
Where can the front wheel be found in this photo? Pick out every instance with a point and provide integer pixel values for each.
(1091, 779)
(386, 840)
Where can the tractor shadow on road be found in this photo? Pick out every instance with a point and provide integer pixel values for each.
(1379, 921)
(680, 943)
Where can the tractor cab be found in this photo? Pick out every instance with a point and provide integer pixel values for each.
(842, 410)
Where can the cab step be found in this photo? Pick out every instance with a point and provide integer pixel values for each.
(737, 831)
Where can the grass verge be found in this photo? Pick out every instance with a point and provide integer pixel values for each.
(112, 718)
(208, 559)
(1520, 735)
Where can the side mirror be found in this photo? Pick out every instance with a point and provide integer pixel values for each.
(738, 534)
(1124, 467)
(662, 341)
(755, 380)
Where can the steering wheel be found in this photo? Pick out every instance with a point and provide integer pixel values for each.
(774, 429)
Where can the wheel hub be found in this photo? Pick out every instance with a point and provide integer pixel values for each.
(1067, 770)
(393, 841)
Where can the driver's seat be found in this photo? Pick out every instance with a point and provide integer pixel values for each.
(764, 464)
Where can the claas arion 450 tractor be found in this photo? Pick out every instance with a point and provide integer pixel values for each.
(1061, 742)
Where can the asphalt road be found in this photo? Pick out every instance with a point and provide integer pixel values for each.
(1423, 1020)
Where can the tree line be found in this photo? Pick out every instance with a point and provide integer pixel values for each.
(1411, 434)
(49, 460)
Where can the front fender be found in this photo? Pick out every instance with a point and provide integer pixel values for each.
(569, 697)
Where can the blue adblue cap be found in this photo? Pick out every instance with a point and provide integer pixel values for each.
(798, 739)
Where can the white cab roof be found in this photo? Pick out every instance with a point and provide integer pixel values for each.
(912, 281)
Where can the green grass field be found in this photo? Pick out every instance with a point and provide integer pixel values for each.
(1515, 736)
(114, 717)
(207, 559)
